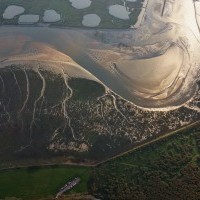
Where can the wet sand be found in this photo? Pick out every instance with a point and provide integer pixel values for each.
(165, 80)
(152, 75)
(72, 43)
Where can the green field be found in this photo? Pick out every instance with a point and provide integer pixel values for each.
(168, 169)
(71, 16)
(36, 183)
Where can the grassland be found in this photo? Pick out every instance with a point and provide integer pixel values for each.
(71, 16)
(35, 183)
(167, 169)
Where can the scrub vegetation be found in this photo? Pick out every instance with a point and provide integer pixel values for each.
(167, 169)
(84, 89)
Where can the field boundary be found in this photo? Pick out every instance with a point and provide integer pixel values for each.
(159, 138)
(139, 146)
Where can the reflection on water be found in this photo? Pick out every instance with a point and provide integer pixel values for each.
(155, 74)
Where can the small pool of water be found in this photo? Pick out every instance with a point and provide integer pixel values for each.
(119, 12)
(51, 16)
(12, 11)
(91, 20)
(28, 19)
(81, 4)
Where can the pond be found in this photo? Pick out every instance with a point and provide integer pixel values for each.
(91, 20)
(81, 4)
(28, 19)
(12, 11)
(51, 16)
(119, 11)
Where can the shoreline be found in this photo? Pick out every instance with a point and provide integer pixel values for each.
(63, 27)
(113, 82)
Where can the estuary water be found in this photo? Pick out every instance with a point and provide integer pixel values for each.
(68, 41)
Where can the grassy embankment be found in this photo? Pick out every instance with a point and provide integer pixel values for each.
(71, 16)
